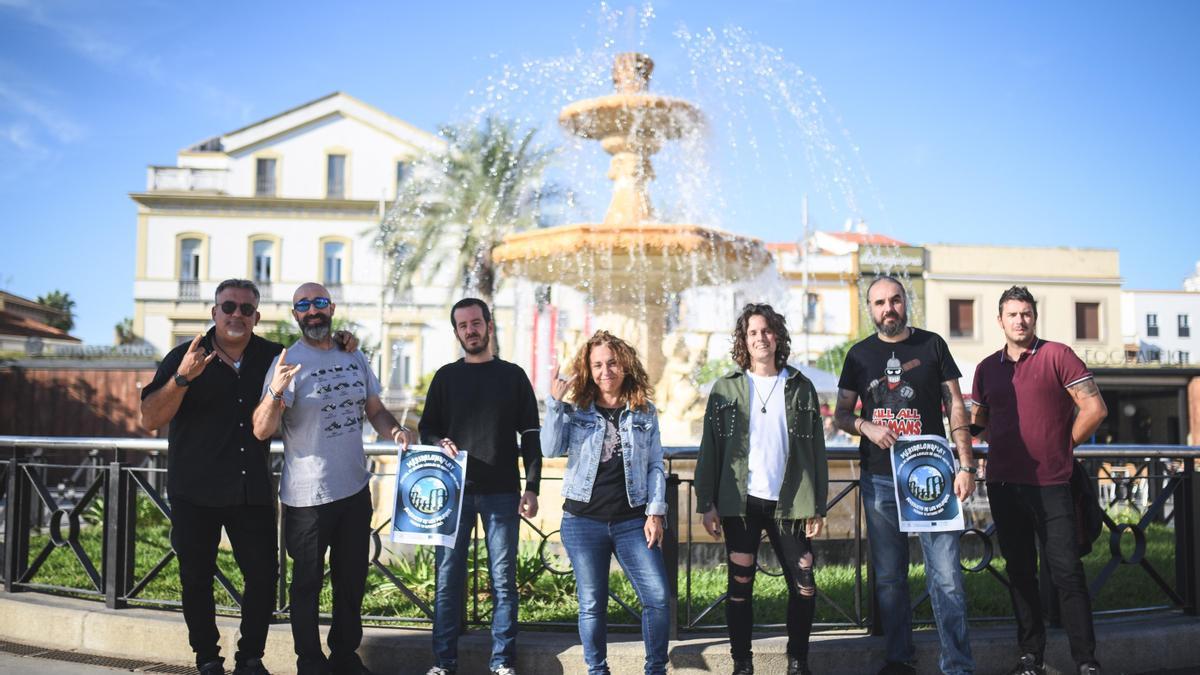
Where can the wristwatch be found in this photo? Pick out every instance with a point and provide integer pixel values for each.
(968, 469)
(180, 380)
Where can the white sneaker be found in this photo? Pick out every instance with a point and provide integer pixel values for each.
(504, 670)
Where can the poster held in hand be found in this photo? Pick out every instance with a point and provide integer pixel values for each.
(429, 494)
(923, 470)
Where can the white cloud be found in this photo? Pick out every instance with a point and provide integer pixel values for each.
(100, 49)
(60, 127)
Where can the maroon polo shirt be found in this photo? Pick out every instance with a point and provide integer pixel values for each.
(1030, 413)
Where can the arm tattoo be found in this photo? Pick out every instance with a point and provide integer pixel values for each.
(947, 400)
(1085, 389)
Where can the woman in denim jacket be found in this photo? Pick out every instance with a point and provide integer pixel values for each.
(615, 490)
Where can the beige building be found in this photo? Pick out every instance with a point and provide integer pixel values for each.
(1078, 292)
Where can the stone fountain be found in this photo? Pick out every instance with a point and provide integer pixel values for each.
(631, 265)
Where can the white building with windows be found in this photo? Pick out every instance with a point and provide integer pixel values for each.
(292, 198)
(1157, 325)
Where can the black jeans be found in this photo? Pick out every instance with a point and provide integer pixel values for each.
(195, 534)
(343, 528)
(1022, 512)
(742, 535)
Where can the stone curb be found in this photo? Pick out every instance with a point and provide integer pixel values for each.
(1128, 645)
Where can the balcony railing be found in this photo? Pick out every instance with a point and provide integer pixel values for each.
(189, 289)
(187, 179)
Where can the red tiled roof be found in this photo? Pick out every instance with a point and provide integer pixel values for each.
(781, 246)
(15, 324)
(867, 238)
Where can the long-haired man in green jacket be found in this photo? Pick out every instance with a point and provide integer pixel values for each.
(762, 466)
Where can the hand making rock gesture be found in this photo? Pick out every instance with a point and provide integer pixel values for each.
(195, 360)
(284, 373)
(558, 386)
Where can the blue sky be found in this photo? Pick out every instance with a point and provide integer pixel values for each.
(1026, 123)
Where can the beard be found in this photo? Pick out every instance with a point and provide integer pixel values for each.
(484, 339)
(316, 328)
(894, 329)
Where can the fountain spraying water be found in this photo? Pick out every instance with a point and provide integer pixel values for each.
(630, 264)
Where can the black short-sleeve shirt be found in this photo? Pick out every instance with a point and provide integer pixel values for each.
(213, 458)
(900, 384)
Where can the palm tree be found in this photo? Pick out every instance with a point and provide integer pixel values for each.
(62, 302)
(487, 183)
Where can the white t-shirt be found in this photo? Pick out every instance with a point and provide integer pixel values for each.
(768, 436)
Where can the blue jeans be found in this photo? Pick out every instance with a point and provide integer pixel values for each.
(500, 525)
(943, 579)
(590, 545)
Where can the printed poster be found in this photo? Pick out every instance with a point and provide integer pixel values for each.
(923, 470)
(429, 494)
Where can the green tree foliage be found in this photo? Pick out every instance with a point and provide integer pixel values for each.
(488, 183)
(124, 332)
(63, 302)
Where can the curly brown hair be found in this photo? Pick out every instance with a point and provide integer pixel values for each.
(775, 322)
(636, 391)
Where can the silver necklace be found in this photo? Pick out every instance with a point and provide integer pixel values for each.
(759, 394)
(237, 364)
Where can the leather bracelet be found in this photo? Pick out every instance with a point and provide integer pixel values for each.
(274, 396)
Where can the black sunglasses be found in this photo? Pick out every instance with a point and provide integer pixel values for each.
(247, 309)
(303, 304)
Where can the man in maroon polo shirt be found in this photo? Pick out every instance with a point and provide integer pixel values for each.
(1025, 398)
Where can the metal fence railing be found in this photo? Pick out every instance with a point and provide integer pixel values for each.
(64, 494)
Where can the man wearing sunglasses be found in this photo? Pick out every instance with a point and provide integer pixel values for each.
(322, 396)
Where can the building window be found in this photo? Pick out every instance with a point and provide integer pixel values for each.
(1087, 321)
(401, 173)
(962, 318)
(264, 182)
(189, 259)
(811, 312)
(335, 256)
(1151, 325)
(335, 177)
(1184, 329)
(264, 251)
(1184, 358)
(402, 365)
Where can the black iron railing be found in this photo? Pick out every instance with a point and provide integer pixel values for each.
(99, 483)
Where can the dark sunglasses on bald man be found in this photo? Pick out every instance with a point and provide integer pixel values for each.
(247, 309)
(303, 304)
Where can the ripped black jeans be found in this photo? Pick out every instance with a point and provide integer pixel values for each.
(742, 535)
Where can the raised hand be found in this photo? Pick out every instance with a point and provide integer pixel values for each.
(195, 360)
(284, 373)
(558, 387)
(345, 340)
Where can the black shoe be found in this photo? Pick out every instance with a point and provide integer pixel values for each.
(797, 667)
(743, 667)
(214, 667)
(1028, 664)
(251, 667)
(897, 668)
(1092, 668)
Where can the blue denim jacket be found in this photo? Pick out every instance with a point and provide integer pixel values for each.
(579, 434)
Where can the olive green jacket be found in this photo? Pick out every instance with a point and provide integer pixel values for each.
(722, 466)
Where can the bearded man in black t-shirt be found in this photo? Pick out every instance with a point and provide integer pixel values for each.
(905, 376)
(482, 405)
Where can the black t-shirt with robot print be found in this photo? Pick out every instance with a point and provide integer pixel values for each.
(900, 386)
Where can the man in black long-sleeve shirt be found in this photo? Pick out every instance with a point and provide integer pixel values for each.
(481, 405)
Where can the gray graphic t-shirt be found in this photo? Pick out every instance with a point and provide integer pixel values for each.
(323, 457)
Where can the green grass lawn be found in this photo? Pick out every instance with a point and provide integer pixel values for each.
(547, 597)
